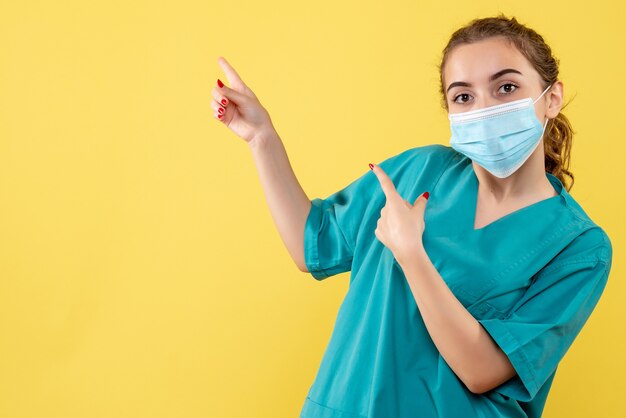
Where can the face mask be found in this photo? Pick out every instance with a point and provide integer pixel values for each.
(499, 138)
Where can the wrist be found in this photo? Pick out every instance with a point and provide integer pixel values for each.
(415, 255)
(262, 139)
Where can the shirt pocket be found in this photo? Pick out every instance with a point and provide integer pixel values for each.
(478, 308)
(471, 289)
(474, 294)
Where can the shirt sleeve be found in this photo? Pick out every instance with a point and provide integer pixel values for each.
(542, 326)
(333, 223)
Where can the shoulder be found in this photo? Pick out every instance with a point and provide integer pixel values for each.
(419, 168)
(431, 151)
(579, 216)
(590, 247)
(588, 241)
(430, 156)
(593, 243)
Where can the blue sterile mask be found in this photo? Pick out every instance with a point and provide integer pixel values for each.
(499, 138)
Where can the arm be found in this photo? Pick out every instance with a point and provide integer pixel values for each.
(287, 201)
(463, 343)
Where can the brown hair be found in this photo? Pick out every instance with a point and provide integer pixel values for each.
(559, 133)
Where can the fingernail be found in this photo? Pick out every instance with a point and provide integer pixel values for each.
(426, 194)
(219, 83)
(224, 102)
(371, 166)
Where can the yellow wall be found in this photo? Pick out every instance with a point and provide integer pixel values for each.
(141, 274)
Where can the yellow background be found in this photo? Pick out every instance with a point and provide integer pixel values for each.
(141, 274)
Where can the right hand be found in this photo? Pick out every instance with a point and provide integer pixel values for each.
(243, 113)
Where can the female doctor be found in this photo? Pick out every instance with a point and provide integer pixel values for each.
(472, 267)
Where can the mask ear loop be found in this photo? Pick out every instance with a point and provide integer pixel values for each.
(544, 92)
(547, 119)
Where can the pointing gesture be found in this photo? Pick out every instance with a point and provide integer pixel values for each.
(238, 107)
(401, 224)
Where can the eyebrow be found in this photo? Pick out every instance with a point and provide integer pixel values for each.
(493, 77)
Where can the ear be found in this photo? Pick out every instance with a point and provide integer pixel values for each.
(555, 104)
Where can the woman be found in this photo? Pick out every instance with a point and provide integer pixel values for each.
(462, 303)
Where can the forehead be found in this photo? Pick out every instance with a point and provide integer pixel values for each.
(475, 62)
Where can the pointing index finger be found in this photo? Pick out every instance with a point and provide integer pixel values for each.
(385, 182)
(231, 74)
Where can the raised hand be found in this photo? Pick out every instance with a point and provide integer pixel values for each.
(238, 107)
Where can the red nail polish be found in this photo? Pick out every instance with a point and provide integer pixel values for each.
(371, 166)
(426, 194)
(219, 83)
(221, 110)
(224, 102)
(219, 116)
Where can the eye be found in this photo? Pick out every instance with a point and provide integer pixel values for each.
(461, 95)
(508, 91)
(509, 88)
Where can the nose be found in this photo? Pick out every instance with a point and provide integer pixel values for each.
(484, 101)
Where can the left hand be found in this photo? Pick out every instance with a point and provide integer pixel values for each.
(401, 224)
